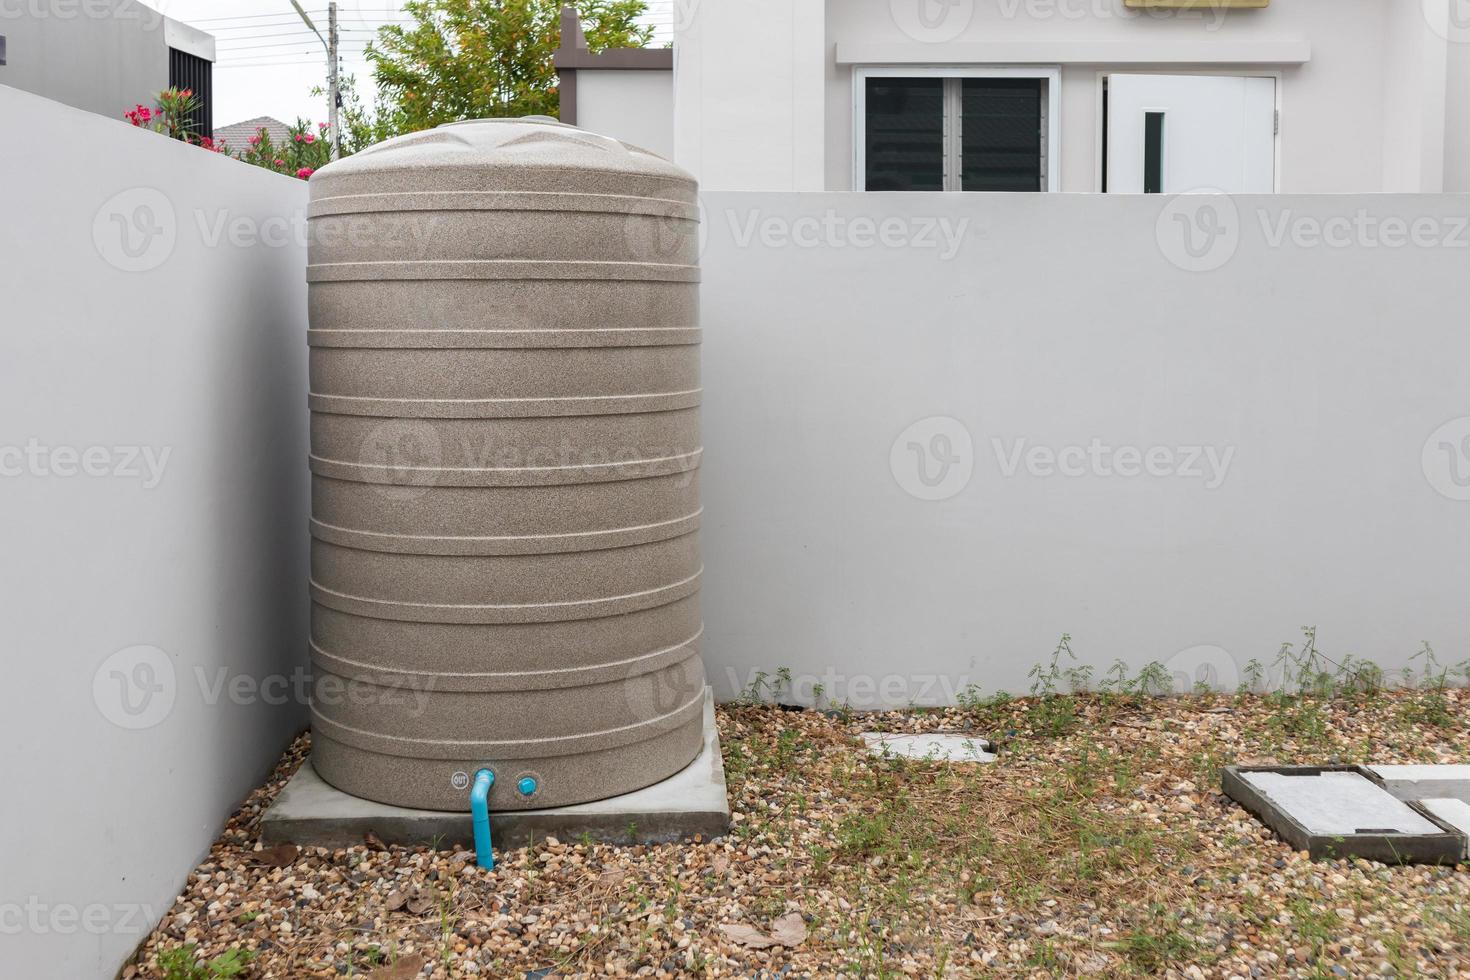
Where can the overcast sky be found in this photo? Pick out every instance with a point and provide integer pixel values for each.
(269, 61)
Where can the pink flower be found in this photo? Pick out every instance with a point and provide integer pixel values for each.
(305, 172)
(310, 138)
(299, 137)
(280, 163)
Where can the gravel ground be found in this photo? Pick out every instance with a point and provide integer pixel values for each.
(1098, 845)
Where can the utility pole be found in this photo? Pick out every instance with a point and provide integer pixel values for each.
(334, 79)
(334, 82)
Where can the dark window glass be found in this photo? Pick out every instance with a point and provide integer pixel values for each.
(905, 134)
(1153, 153)
(1001, 125)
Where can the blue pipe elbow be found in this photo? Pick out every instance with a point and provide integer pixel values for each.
(480, 811)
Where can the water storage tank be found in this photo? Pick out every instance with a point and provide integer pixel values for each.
(505, 448)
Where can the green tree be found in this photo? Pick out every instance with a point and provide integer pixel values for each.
(363, 125)
(472, 59)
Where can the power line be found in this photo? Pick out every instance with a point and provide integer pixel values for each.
(258, 37)
(286, 44)
(322, 11)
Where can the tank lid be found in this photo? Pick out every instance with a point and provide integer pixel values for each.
(504, 146)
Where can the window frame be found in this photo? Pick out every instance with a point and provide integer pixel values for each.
(1051, 74)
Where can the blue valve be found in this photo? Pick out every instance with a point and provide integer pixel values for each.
(527, 786)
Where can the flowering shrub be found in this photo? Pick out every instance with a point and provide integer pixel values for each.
(303, 152)
(173, 118)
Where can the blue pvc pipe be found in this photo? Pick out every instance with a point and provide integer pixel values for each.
(480, 810)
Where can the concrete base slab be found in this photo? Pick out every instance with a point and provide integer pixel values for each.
(1448, 782)
(1338, 803)
(1451, 813)
(930, 747)
(1338, 812)
(311, 813)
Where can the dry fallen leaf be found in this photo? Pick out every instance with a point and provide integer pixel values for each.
(405, 969)
(789, 930)
(280, 856)
(720, 865)
(420, 900)
(744, 935)
(374, 842)
(395, 901)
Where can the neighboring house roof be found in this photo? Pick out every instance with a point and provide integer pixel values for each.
(238, 135)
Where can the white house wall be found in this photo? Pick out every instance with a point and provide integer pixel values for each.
(105, 56)
(1457, 110)
(634, 106)
(748, 93)
(1363, 112)
(1414, 78)
(153, 505)
(1303, 376)
(1332, 106)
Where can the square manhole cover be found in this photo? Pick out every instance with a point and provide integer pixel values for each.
(1341, 812)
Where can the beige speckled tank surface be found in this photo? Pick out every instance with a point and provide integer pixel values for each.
(504, 455)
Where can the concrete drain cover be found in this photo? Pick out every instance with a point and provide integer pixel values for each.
(1424, 782)
(932, 748)
(1342, 812)
(1451, 813)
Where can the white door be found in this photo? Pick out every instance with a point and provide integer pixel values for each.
(1171, 134)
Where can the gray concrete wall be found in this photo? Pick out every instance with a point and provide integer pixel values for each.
(153, 505)
(1457, 110)
(105, 56)
(634, 106)
(903, 393)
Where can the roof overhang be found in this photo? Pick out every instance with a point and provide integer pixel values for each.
(190, 40)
